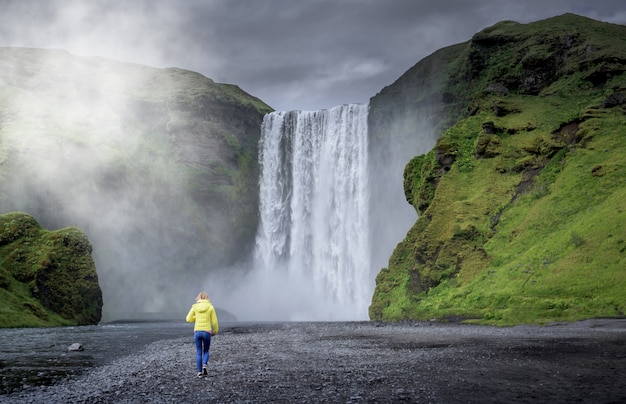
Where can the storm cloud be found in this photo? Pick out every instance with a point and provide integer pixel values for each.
(293, 55)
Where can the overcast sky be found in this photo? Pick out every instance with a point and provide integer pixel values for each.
(292, 54)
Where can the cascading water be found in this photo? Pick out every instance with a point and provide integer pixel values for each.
(313, 238)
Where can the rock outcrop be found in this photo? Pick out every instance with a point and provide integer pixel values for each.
(47, 277)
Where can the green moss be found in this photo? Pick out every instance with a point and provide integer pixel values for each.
(524, 223)
(418, 188)
(47, 278)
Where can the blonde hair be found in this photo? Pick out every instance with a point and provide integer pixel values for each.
(202, 296)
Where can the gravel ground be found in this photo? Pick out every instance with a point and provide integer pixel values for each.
(366, 362)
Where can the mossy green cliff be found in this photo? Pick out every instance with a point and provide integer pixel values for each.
(521, 203)
(47, 278)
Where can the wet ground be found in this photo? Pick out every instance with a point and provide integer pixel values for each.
(366, 362)
(39, 356)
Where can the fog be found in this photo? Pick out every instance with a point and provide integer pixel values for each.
(80, 147)
(88, 142)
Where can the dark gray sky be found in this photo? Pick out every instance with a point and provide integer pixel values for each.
(293, 54)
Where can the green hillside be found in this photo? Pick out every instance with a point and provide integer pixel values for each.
(522, 202)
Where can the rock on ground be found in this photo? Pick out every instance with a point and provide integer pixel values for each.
(366, 362)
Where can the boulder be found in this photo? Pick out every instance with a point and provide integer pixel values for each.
(75, 347)
(56, 267)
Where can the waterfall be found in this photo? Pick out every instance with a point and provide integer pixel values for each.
(313, 237)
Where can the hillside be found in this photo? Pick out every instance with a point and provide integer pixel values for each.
(157, 166)
(521, 203)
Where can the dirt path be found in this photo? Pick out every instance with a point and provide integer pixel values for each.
(368, 362)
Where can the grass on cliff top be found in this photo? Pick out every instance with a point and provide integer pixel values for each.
(175, 83)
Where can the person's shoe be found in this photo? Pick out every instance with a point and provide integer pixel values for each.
(199, 374)
(204, 371)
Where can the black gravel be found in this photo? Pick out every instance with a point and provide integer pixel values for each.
(365, 362)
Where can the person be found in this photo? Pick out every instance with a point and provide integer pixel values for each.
(202, 313)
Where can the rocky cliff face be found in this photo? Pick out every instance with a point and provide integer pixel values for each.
(519, 201)
(157, 166)
(47, 278)
(405, 119)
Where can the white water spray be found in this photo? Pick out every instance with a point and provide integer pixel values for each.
(313, 237)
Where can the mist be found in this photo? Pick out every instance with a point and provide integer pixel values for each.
(96, 144)
(332, 209)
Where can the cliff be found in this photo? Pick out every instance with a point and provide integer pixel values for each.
(521, 200)
(157, 166)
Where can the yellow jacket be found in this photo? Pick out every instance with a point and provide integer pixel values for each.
(203, 313)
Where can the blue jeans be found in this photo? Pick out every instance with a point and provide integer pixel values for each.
(203, 342)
